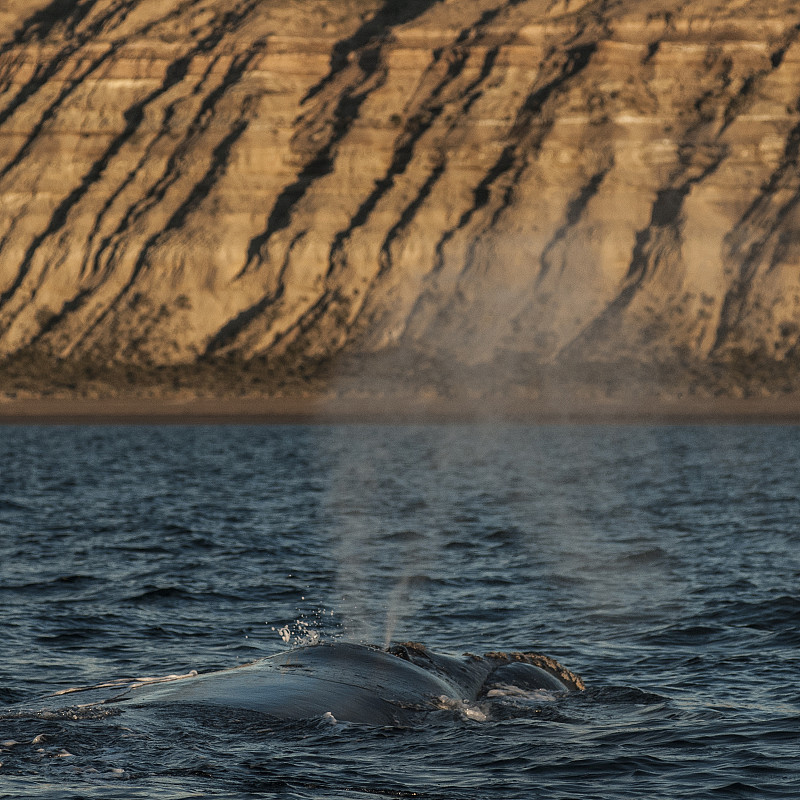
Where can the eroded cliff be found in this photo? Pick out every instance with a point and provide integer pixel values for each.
(490, 193)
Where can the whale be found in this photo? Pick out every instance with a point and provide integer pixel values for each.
(357, 683)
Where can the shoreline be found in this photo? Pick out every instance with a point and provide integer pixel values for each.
(396, 410)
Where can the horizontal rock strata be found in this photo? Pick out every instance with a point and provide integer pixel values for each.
(481, 192)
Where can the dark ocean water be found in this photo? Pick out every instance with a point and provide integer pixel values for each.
(660, 563)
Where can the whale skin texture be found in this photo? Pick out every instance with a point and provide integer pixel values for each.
(357, 683)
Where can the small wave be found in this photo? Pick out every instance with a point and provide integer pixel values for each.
(173, 528)
(779, 617)
(403, 536)
(12, 505)
(765, 614)
(686, 635)
(202, 541)
(53, 584)
(462, 543)
(68, 638)
(9, 696)
(738, 789)
(654, 555)
(74, 579)
(622, 695)
(157, 594)
(504, 535)
(141, 547)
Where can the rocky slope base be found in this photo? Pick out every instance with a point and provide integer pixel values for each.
(437, 195)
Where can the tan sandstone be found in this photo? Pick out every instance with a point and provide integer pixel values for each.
(514, 196)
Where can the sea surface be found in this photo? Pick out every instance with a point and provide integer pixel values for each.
(660, 563)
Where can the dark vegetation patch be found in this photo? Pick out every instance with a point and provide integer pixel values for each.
(35, 374)
(402, 372)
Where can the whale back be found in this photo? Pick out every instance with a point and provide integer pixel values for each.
(352, 682)
(356, 683)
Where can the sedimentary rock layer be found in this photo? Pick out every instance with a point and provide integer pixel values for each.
(526, 182)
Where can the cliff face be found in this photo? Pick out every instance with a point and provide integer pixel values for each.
(534, 183)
